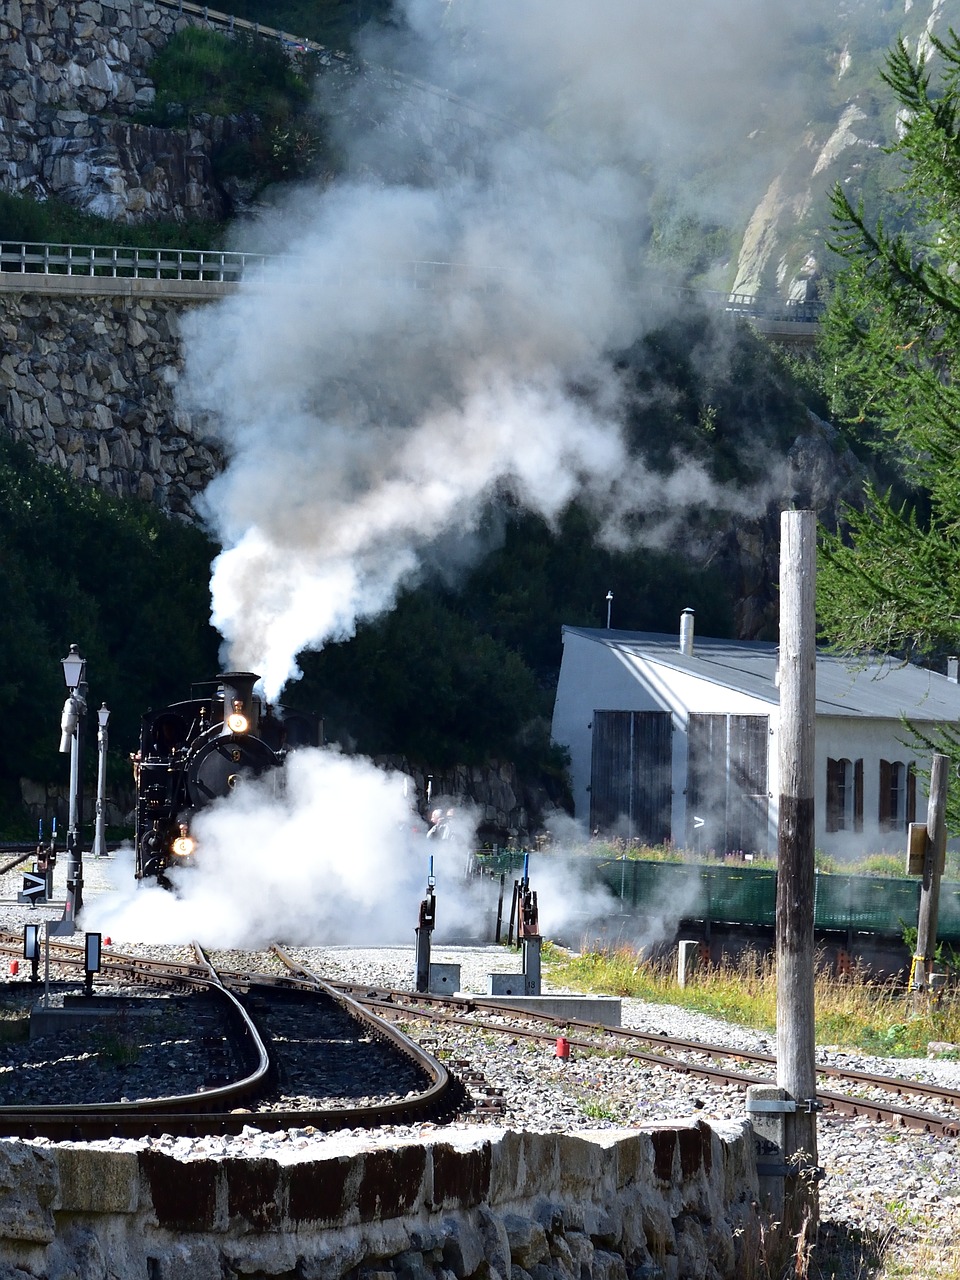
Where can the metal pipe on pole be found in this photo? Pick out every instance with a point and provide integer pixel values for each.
(936, 848)
(99, 849)
(796, 1037)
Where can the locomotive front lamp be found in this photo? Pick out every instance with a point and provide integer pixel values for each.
(183, 846)
(238, 722)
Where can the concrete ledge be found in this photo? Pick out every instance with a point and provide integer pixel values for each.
(114, 286)
(604, 1010)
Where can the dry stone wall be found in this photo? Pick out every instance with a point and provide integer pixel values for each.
(89, 384)
(678, 1202)
(72, 73)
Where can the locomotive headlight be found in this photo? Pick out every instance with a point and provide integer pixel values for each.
(184, 844)
(237, 722)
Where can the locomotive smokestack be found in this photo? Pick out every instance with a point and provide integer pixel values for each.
(238, 697)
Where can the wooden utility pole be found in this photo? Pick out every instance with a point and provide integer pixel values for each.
(796, 1038)
(932, 871)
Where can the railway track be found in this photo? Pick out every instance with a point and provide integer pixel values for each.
(271, 1022)
(273, 978)
(701, 1060)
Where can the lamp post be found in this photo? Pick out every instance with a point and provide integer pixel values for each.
(99, 842)
(609, 607)
(74, 675)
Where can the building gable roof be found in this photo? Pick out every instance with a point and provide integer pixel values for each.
(878, 688)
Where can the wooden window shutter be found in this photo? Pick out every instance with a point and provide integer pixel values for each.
(834, 773)
(858, 795)
(886, 779)
(911, 792)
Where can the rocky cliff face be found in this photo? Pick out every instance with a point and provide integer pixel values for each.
(783, 249)
(71, 76)
(89, 385)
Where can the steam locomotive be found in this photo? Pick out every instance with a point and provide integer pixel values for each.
(194, 752)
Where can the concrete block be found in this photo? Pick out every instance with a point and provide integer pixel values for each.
(605, 1011)
(505, 984)
(444, 979)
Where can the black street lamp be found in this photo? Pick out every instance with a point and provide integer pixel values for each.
(71, 721)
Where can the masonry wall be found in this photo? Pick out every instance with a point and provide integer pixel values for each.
(676, 1202)
(89, 383)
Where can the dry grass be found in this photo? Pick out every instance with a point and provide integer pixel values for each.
(852, 1011)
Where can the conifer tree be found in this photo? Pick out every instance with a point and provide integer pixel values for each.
(891, 347)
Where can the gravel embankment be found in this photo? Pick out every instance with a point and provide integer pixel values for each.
(877, 1179)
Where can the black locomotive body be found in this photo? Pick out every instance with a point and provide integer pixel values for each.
(194, 752)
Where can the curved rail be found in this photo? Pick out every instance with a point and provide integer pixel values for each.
(203, 1113)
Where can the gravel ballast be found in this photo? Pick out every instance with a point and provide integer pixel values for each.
(877, 1179)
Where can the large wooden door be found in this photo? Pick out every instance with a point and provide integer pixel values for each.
(631, 783)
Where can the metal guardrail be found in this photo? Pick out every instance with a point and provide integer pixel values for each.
(119, 262)
(231, 266)
(230, 23)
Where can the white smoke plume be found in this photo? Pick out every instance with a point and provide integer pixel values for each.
(366, 418)
(334, 855)
(370, 413)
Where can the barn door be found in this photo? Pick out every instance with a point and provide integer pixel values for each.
(631, 785)
(727, 798)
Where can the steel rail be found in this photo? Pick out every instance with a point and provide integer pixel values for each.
(180, 1114)
(73, 1118)
(403, 1003)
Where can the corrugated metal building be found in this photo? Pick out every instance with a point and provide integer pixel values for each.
(676, 739)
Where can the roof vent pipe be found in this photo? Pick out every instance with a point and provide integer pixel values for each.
(953, 670)
(686, 632)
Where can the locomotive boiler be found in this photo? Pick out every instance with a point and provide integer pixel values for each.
(194, 752)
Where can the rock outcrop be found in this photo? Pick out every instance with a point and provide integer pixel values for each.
(72, 75)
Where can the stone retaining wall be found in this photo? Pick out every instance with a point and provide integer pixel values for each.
(677, 1202)
(89, 384)
(72, 72)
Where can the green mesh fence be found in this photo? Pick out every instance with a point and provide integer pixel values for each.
(739, 894)
(869, 904)
(948, 929)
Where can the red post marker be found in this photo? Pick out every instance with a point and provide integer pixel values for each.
(14, 967)
(563, 1048)
(108, 942)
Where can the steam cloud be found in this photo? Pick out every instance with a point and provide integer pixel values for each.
(334, 855)
(370, 414)
(365, 418)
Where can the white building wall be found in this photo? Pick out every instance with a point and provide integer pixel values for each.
(853, 738)
(597, 677)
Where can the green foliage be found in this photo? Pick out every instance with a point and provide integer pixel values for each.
(55, 222)
(203, 70)
(127, 585)
(200, 70)
(890, 341)
(334, 23)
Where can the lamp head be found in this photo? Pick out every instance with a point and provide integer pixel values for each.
(74, 668)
